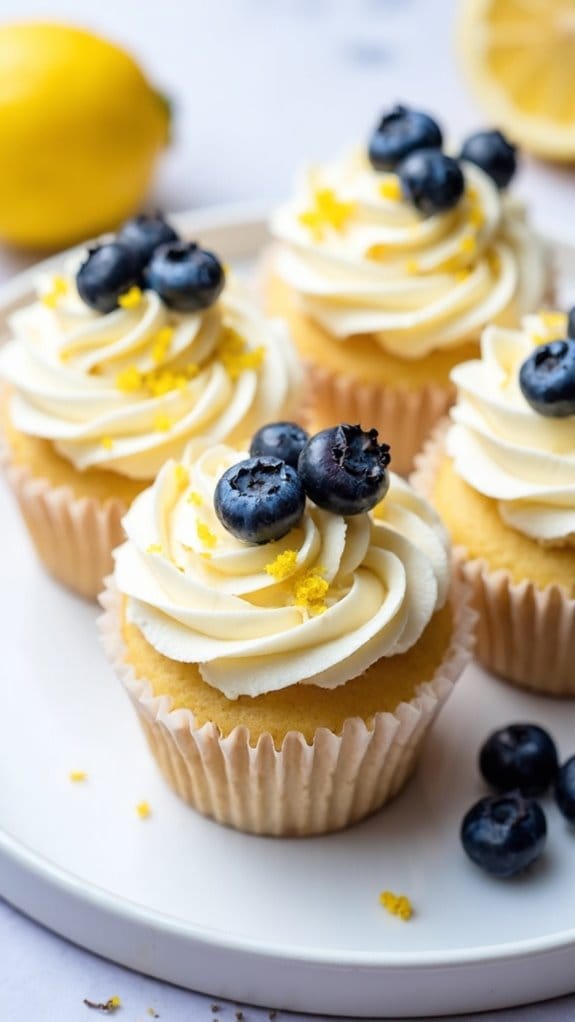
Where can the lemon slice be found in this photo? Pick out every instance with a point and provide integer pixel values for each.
(520, 59)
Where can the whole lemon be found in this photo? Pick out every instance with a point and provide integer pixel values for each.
(80, 130)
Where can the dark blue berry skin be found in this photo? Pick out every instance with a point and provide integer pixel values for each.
(109, 271)
(504, 834)
(283, 440)
(565, 789)
(491, 151)
(344, 469)
(520, 757)
(430, 180)
(399, 133)
(571, 323)
(186, 277)
(145, 233)
(547, 379)
(259, 499)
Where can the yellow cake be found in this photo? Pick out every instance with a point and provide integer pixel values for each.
(96, 402)
(284, 687)
(502, 477)
(384, 300)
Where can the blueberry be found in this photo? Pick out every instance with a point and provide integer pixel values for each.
(491, 151)
(547, 379)
(144, 234)
(565, 789)
(432, 181)
(107, 273)
(571, 323)
(399, 133)
(344, 469)
(283, 440)
(185, 276)
(259, 499)
(519, 757)
(504, 834)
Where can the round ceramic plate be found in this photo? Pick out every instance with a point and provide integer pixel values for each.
(289, 923)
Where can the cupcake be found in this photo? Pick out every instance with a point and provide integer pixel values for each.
(132, 352)
(503, 479)
(390, 262)
(286, 654)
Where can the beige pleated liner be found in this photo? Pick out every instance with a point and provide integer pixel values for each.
(524, 633)
(303, 788)
(74, 537)
(404, 418)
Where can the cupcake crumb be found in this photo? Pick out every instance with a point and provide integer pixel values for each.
(397, 905)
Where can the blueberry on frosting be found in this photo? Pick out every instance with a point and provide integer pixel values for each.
(186, 277)
(143, 234)
(259, 500)
(565, 790)
(344, 469)
(493, 153)
(283, 440)
(547, 379)
(109, 272)
(399, 133)
(432, 181)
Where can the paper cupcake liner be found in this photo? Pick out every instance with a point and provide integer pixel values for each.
(524, 634)
(74, 537)
(404, 418)
(303, 788)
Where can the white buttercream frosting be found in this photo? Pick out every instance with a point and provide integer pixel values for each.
(503, 448)
(318, 606)
(127, 390)
(363, 261)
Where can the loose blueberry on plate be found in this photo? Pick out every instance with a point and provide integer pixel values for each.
(186, 277)
(571, 323)
(547, 379)
(492, 152)
(399, 133)
(145, 233)
(565, 789)
(283, 440)
(259, 499)
(109, 271)
(432, 181)
(344, 469)
(504, 834)
(519, 757)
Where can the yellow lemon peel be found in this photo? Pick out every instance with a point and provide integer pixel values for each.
(143, 810)
(195, 498)
(397, 905)
(235, 355)
(326, 211)
(390, 188)
(161, 344)
(131, 298)
(77, 776)
(205, 535)
(129, 380)
(162, 423)
(58, 289)
(283, 565)
(107, 442)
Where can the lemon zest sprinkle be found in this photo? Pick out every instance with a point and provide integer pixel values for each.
(58, 289)
(326, 211)
(205, 554)
(182, 475)
(131, 298)
(154, 548)
(390, 188)
(143, 810)
(554, 322)
(283, 565)
(161, 344)
(107, 442)
(462, 275)
(77, 776)
(412, 266)
(205, 535)
(467, 244)
(396, 905)
(235, 355)
(162, 423)
(195, 498)
(129, 380)
(476, 217)
(310, 590)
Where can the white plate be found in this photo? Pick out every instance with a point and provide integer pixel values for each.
(296, 923)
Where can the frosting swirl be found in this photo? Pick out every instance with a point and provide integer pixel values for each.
(501, 447)
(362, 261)
(318, 606)
(127, 390)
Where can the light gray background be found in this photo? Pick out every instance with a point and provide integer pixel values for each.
(257, 85)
